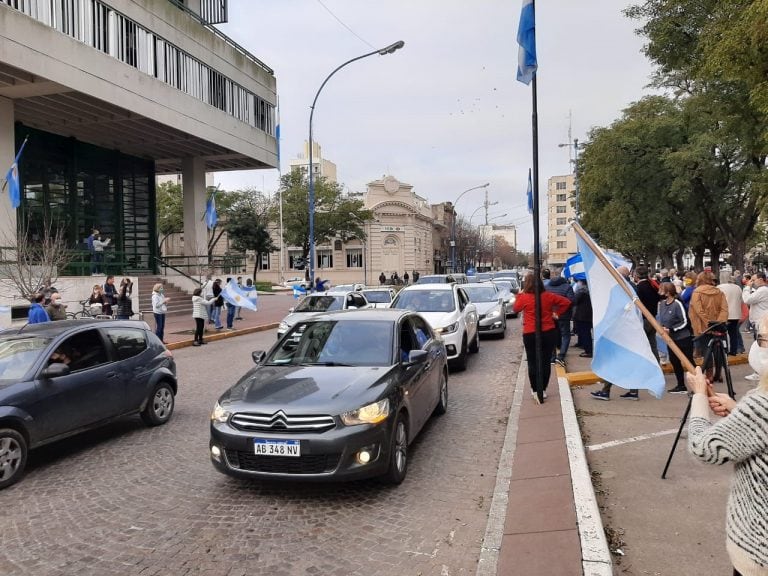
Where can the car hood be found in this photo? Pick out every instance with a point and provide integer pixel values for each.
(485, 307)
(307, 389)
(295, 317)
(440, 319)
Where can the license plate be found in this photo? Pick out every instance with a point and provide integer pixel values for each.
(277, 447)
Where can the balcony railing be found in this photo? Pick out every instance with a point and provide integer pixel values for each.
(98, 25)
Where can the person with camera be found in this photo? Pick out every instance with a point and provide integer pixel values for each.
(708, 305)
(741, 437)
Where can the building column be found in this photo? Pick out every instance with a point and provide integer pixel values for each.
(195, 195)
(7, 156)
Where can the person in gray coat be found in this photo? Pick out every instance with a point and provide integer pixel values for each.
(561, 286)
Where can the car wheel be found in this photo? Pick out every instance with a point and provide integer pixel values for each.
(460, 363)
(398, 452)
(503, 331)
(160, 403)
(13, 456)
(442, 402)
(475, 346)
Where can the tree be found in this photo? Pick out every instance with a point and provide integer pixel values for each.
(247, 225)
(170, 211)
(336, 215)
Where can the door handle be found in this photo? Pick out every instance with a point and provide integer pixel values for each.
(111, 374)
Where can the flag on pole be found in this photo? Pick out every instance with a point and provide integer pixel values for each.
(622, 354)
(574, 268)
(298, 290)
(526, 38)
(211, 217)
(530, 193)
(277, 133)
(12, 178)
(236, 296)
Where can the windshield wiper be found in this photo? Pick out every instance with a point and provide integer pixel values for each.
(324, 364)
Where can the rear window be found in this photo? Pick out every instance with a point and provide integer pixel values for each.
(128, 342)
(425, 300)
(477, 294)
(377, 296)
(320, 304)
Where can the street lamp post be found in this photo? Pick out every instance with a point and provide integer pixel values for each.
(383, 52)
(453, 227)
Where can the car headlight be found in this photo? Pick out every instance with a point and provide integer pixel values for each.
(494, 313)
(451, 328)
(283, 327)
(370, 414)
(219, 414)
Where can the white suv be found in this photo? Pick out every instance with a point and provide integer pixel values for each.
(320, 302)
(450, 313)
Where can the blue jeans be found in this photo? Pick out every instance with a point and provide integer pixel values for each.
(216, 316)
(160, 326)
(565, 337)
(230, 316)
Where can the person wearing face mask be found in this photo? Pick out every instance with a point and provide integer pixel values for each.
(688, 287)
(159, 308)
(740, 437)
(56, 310)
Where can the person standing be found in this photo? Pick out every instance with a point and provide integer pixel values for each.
(582, 317)
(96, 301)
(382, 279)
(708, 305)
(37, 313)
(415, 276)
(551, 304)
(561, 286)
(200, 307)
(89, 242)
(231, 312)
(406, 278)
(674, 320)
(56, 310)
(755, 295)
(124, 303)
(98, 252)
(159, 308)
(733, 298)
(217, 304)
(650, 298)
(110, 295)
(237, 308)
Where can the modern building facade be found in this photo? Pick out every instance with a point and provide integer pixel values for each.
(108, 94)
(561, 241)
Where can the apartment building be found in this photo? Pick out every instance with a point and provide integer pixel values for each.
(561, 241)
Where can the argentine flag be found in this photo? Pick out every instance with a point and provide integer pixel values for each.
(526, 38)
(574, 268)
(236, 296)
(12, 178)
(298, 291)
(621, 354)
(211, 216)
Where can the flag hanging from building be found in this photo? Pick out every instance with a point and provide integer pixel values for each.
(530, 193)
(622, 354)
(12, 178)
(526, 38)
(236, 296)
(211, 217)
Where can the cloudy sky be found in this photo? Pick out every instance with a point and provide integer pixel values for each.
(445, 113)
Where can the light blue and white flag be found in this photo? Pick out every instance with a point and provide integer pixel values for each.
(621, 354)
(574, 268)
(526, 38)
(211, 216)
(298, 291)
(236, 296)
(277, 133)
(12, 178)
(530, 193)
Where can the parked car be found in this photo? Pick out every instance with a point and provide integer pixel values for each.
(61, 378)
(296, 281)
(436, 279)
(484, 276)
(340, 397)
(492, 317)
(508, 289)
(319, 302)
(379, 297)
(348, 287)
(450, 313)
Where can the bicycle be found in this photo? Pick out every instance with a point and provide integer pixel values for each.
(90, 311)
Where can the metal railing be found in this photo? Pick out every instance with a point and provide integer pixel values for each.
(188, 266)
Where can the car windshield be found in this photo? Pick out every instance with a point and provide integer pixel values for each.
(482, 294)
(320, 304)
(18, 353)
(434, 279)
(503, 285)
(377, 296)
(425, 300)
(335, 343)
(483, 276)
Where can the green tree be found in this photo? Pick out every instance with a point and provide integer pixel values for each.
(336, 214)
(247, 225)
(170, 211)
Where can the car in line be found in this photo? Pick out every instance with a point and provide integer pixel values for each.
(442, 278)
(340, 397)
(299, 281)
(450, 313)
(508, 289)
(379, 297)
(63, 378)
(492, 317)
(319, 302)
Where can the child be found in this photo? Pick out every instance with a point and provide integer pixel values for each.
(200, 314)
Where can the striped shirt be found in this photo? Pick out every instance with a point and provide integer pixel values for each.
(741, 438)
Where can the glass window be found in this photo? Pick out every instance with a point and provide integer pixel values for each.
(263, 261)
(128, 342)
(85, 350)
(560, 186)
(425, 300)
(18, 354)
(561, 245)
(378, 296)
(560, 210)
(324, 259)
(562, 221)
(295, 260)
(561, 198)
(355, 258)
(482, 294)
(320, 304)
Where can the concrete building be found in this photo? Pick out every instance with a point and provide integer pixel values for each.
(111, 93)
(561, 194)
(321, 166)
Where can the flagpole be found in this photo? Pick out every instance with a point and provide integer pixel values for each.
(536, 242)
(280, 269)
(689, 367)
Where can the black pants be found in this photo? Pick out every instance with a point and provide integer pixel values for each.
(199, 328)
(584, 334)
(733, 336)
(686, 347)
(548, 343)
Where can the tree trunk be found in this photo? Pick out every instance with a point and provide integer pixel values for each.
(679, 260)
(714, 253)
(698, 258)
(738, 250)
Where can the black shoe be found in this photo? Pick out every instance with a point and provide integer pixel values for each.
(195, 343)
(678, 390)
(585, 355)
(630, 396)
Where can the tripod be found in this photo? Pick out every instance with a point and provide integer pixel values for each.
(715, 341)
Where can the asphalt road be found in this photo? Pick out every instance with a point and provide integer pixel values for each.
(128, 500)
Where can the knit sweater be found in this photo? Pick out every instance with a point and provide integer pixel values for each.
(741, 438)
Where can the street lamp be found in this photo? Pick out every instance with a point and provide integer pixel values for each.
(479, 207)
(453, 227)
(383, 52)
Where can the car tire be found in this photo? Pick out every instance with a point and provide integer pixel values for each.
(504, 331)
(13, 456)
(474, 348)
(160, 404)
(398, 452)
(460, 363)
(442, 401)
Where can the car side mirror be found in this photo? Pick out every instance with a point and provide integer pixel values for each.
(55, 370)
(417, 356)
(258, 356)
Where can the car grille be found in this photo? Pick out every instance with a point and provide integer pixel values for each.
(311, 464)
(280, 422)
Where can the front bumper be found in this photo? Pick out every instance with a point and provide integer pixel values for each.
(491, 325)
(452, 344)
(328, 456)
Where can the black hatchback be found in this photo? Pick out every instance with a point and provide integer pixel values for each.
(61, 378)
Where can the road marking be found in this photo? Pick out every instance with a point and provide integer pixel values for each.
(613, 443)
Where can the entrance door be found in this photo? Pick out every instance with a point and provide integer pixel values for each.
(391, 256)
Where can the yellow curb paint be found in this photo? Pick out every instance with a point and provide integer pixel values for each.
(223, 335)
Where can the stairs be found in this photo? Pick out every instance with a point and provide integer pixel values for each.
(181, 301)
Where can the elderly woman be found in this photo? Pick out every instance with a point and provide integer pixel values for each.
(742, 438)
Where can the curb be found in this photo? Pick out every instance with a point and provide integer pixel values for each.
(494, 529)
(223, 335)
(595, 553)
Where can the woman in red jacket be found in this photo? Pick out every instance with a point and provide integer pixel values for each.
(552, 305)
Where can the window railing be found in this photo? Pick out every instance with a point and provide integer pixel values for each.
(98, 25)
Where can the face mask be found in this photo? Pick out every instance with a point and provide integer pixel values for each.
(55, 302)
(688, 282)
(758, 359)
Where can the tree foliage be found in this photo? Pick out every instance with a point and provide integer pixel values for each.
(170, 210)
(247, 224)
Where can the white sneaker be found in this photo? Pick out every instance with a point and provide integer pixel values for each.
(753, 377)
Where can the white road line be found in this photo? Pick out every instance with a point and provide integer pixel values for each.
(613, 443)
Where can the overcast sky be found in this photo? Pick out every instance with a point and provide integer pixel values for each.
(445, 113)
